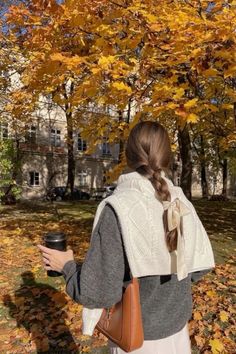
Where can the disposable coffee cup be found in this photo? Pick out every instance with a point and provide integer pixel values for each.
(57, 241)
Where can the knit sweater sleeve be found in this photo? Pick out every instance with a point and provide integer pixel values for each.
(99, 282)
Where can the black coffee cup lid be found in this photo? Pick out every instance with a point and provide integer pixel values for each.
(54, 236)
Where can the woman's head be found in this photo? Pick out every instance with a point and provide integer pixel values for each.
(148, 148)
(148, 151)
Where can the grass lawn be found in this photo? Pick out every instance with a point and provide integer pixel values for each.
(37, 316)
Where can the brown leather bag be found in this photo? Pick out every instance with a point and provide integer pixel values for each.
(122, 323)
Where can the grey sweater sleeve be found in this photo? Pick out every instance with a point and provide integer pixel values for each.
(99, 282)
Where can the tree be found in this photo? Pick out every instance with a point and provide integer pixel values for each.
(169, 58)
(9, 167)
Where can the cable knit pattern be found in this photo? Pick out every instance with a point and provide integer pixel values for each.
(140, 215)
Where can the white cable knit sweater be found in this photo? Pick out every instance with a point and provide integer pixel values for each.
(140, 216)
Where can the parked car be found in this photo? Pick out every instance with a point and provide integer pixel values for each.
(101, 193)
(80, 195)
(59, 193)
(108, 191)
(97, 193)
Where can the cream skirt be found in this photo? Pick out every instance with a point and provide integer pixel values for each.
(178, 343)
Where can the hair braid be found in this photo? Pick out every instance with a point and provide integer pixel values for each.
(148, 152)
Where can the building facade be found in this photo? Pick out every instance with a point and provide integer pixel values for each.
(43, 155)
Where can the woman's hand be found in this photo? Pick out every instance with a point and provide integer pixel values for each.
(55, 260)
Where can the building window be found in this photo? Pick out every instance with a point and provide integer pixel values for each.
(31, 135)
(3, 130)
(55, 137)
(82, 177)
(106, 147)
(82, 144)
(34, 178)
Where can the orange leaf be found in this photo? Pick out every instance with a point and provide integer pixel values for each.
(197, 315)
(200, 340)
(44, 345)
(59, 298)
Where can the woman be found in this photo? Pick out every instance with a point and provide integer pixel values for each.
(150, 228)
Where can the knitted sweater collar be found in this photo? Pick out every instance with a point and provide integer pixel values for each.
(135, 180)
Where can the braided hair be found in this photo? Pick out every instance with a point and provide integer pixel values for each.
(148, 152)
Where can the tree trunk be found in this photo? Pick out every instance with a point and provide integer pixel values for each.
(68, 89)
(127, 120)
(235, 114)
(16, 159)
(225, 176)
(121, 141)
(204, 184)
(70, 156)
(185, 153)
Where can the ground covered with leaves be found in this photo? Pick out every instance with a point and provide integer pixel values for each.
(36, 315)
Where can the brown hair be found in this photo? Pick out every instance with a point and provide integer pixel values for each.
(148, 151)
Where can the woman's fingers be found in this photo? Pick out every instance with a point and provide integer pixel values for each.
(47, 267)
(46, 260)
(45, 249)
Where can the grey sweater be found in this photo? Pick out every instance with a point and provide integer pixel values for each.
(166, 302)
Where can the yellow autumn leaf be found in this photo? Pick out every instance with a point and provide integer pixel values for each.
(25, 340)
(172, 105)
(227, 106)
(192, 117)
(230, 92)
(210, 72)
(156, 27)
(179, 93)
(216, 346)
(133, 60)
(224, 316)
(57, 57)
(174, 147)
(36, 268)
(211, 293)
(191, 103)
(105, 28)
(151, 18)
(230, 72)
(224, 54)
(196, 52)
(121, 86)
(106, 61)
(84, 337)
(212, 107)
(95, 70)
(101, 100)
